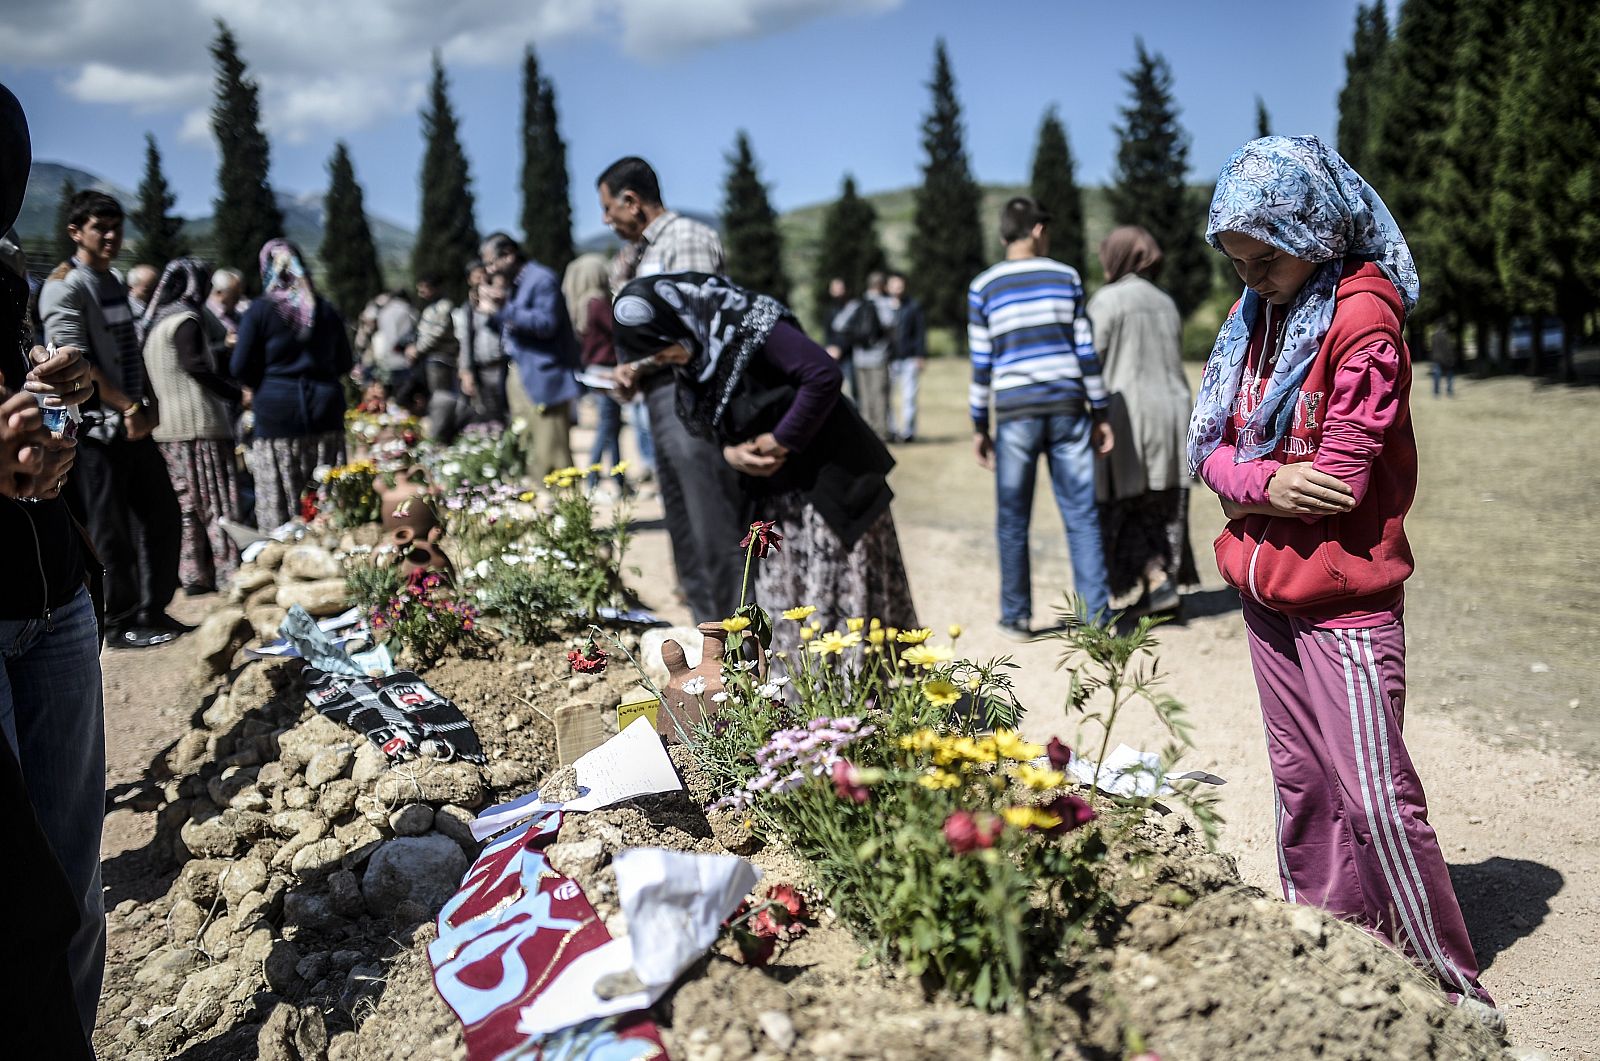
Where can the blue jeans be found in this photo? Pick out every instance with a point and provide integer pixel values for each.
(608, 437)
(53, 716)
(640, 412)
(1064, 443)
(907, 376)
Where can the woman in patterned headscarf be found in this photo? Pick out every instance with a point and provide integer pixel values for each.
(1303, 428)
(196, 429)
(293, 354)
(751, 381)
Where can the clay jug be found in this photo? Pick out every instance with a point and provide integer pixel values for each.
(416, 552)
(685, 710)
(406, 504)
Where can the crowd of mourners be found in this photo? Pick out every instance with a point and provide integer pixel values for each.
(148, 425)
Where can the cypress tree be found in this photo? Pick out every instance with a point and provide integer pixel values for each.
(546, 198)
(946, 232)
(1363, 76)
(351, 274)
(1150, 186)
(1055, 185)
(247, 214)
(1409, 116)
(1263, 119)
(1546, 197)
(750, 235)
(1456, 202)
(65, 249)
(850, 247)
(447, 236)
(160, 233)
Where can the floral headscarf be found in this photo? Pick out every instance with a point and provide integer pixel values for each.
(1296, 194)
(286, 283)
(183, 288)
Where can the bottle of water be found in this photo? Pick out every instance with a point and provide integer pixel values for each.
(62, 422)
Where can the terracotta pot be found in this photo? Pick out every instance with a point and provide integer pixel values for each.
(406, 504)
(413, 552)
(683, 709)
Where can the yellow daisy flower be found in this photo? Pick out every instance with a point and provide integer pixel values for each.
(940, 693)
(1037, 778)
(1029, 818)
(1012, 746)
(833, 643)
(914, 637)
(804, 611)
(926, 655)
(955, 631)
(939, 779)
(737, 623)
(855, 625)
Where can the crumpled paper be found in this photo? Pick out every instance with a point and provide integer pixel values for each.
(1131, 773)
(674, 900)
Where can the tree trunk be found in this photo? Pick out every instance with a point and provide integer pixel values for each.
(1536, 354)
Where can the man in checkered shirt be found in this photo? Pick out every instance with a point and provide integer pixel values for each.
(699, 491)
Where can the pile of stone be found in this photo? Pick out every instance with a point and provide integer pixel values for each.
(305, 858)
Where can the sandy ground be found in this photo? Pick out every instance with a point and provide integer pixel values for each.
(1503, 685)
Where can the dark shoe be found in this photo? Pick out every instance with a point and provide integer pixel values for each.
(1017, 631)
(140, 637)
(163, 621)
(1162, 598)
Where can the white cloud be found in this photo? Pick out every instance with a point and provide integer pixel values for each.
(331, 67)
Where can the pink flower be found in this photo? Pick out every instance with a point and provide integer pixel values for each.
(788, 897)
(1074, 811)
(847, 782)
(592, 661)
(1060, 755)
(966, 832)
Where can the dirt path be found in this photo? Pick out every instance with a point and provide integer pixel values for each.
(1495, 593)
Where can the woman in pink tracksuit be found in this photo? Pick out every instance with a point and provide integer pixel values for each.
(1303, 428)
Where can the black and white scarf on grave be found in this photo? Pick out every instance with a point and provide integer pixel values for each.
(719, 323)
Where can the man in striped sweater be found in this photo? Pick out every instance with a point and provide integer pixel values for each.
(1033, 357)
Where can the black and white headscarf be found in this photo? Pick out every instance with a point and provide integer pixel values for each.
(719, 323)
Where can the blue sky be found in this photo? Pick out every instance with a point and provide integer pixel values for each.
(822, 86)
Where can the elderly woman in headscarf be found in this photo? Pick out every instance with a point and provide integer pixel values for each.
(588, 295)
(751, 381)
(196, 429)
(1143, 486)
(293, 353)
(1303, 427)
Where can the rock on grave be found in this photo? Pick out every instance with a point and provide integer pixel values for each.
(413, 819)
(293, 1034)
(250, 578)
(426, 870)
(310, 563)
(298, 746)
(324, 597)
(200, 999)
(224, 633)
(424, 781)
(330, 764)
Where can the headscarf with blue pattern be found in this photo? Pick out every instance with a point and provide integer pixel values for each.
(1296, 194)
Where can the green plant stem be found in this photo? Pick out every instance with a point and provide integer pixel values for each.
(744, 582)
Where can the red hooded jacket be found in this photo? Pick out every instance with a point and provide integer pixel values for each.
(1340, 566)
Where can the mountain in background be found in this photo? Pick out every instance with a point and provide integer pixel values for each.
(303, 219)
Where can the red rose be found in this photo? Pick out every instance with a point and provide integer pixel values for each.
(1074, 811)
(1059, 754)
(766, 537)
(962, 833)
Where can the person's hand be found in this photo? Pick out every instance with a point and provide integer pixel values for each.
(60, 454)
(1301, 490)
(627, 378)
(469, 386)
(983, 449)
(62, 380)
(22, 441)
(138, 422)
(747, 460)
(835, 352)
(411, 352)
(767, 445)
(247, 397)
(921, 363)
(1232, 510)
(1102, 438)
